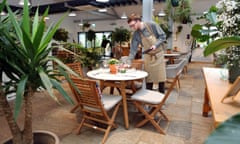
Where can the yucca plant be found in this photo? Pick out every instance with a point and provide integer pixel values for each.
(24, 58)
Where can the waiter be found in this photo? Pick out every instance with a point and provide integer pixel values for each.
(151, 37)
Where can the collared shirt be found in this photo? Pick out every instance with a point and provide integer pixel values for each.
(136, 39)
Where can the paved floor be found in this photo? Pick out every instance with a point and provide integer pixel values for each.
(186, 126)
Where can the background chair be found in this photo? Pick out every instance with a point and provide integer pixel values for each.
(173, 69)
(95, 106)
(135, 85)
(155, 100)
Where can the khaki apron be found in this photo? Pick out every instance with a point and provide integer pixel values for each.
(153, 63)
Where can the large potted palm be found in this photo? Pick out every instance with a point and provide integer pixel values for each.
(24, 58)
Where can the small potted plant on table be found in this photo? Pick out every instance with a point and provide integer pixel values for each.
(112, 65)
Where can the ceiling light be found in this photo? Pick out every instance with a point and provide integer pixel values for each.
(46, 18)
(81, 23)
(102, 10)
(161, 13)
(72, 14)
(21, 2)
(124, 16)
(3, 13)
(102, 0)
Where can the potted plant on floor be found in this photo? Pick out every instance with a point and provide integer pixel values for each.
(120, 35)
(24, 58)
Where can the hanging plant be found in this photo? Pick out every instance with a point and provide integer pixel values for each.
(61, 35)
(91, 37)
(86, 25)
(183, 12)
(175, 3)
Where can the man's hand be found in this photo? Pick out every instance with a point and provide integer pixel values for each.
(153, 47)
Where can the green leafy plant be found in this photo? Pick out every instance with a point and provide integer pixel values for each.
(120, 35)
(113, 61)
(222, 43)
(227, 132)
(228, 23)
(204, 32)
(24, 58)
(175, 3)
(183, 12)
(91, 36)
(178, 11)
(89, 57)
(61, 35)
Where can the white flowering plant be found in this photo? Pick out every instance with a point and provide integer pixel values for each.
(228, 17)
(228, 25)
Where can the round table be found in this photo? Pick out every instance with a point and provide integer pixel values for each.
(119, 81)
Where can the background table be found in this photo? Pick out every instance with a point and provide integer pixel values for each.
(171, 56)
(215, 90)
(119, 81)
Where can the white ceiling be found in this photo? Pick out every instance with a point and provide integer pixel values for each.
(198, 6)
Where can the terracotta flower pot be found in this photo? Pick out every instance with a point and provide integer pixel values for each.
(113, 68)
(42, 137)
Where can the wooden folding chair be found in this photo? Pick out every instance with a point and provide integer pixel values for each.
(96, 107)
(76, 67)
(154, 100)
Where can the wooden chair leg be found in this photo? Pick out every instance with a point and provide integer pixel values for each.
(80, 126)
(111, 124)
(111, 90)
(156, 125)
(148, 117)
(74, 108)
(165, 117)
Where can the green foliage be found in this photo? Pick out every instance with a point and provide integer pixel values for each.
(179, 11)
(91, 35)
(222, 43)
(175, 3)
(24, 58)
(220, 60)
(166, 30)
(204, 32)
(61, 35)
(183, 12)
(113, 61)
(120, 35)
(89, 57)
(227, 132)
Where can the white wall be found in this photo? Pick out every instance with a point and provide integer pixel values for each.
(67, 24)
(74, 28)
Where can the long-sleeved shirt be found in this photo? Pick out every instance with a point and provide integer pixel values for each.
(136, 39)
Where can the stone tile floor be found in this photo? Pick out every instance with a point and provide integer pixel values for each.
(186, 125)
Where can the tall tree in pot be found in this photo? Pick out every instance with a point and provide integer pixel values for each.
(24, 58)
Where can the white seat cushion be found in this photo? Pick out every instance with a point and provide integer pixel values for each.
(109, 101)
(148, 96)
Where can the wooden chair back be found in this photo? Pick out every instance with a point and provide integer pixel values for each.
(76, 67)
(138, 64)
(91, 103)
